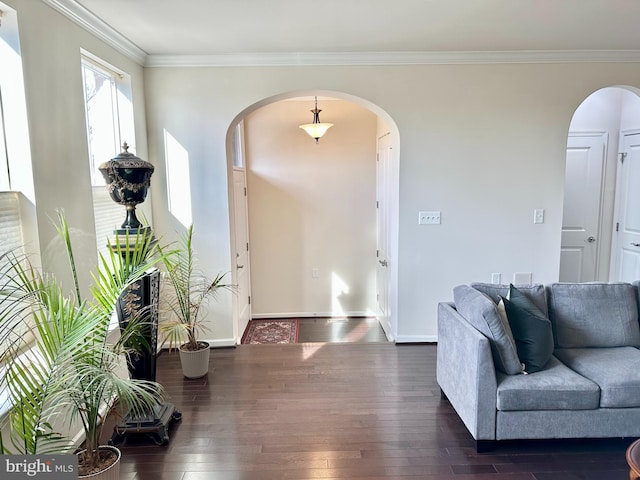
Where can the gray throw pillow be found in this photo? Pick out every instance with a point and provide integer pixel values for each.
(531, 331)
(535, 292)
(481, 312)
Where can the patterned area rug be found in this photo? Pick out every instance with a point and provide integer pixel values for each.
(266, 331)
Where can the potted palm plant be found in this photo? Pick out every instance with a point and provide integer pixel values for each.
(190, 289)
(69, 374)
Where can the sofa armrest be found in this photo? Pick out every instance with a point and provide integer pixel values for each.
(465, 372)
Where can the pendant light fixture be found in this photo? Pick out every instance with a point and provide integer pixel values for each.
(316, 129)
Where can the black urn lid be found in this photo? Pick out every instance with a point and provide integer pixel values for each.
(126, 159)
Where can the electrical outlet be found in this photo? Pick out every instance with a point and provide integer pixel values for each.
(315, 273)
(495, 278)
(522, 278)
(429, 218)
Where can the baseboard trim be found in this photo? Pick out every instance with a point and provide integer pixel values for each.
(258, 316)
(416, 339)
(222, 342)
(219, 343)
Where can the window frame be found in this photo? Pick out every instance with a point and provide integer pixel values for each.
(105, 211)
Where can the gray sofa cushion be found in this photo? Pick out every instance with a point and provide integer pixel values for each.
(557, 387)
(536, 293)
(482, 313)
(615, 370)
(594, 315)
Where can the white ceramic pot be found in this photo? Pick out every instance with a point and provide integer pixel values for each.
(112, 472)
(195, 364)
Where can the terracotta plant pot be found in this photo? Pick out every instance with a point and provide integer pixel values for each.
(112, 472)
(195, 364)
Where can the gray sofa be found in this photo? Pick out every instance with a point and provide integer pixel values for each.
(590, 387)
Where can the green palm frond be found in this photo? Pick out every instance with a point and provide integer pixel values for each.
(189, 290)
(71, 374)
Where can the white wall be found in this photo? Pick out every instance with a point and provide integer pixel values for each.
(484, 144)
(312, 206)
(50, 46)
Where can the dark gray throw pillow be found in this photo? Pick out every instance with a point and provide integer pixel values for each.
(531, 331)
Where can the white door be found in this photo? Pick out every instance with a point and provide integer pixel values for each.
(384, 169)
(581, 214)
(627, 228)
(241, 244)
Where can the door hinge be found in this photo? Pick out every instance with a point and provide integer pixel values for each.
(247, 246)
(617, 226)
(245, 191)
(377, 253)
(377, 204)
(623, 155)
(377, 157)
(249, 299)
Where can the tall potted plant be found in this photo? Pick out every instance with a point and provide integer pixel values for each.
(190, 289)
(70, 374)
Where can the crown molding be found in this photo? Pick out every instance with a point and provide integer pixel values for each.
(393, 58)
(94, 25)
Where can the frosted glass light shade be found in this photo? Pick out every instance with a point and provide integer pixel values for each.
(316, 130)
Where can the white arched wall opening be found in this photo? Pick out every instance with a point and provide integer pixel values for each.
(590, 246)
(385, 127)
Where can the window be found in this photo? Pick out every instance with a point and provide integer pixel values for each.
(11, 231)
(109, 117)
(237, 146)
(5, 184)
(101, 108)
(16, 183)
(16, 180)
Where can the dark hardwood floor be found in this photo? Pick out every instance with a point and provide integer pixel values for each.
(367, 411)
(347, 329)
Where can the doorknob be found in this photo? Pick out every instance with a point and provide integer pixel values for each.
(239, 266)
(384, 263)
(591, 239)
(635, 244)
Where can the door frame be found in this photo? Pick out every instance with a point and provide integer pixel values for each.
(384, 205)
(615, 240)
(601, 230)
(237, 150)
(393, 191)
(394, 223)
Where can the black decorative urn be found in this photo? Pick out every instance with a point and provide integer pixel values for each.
(128, 179)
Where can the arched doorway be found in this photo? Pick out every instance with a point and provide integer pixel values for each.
(594, 201)
(306, 197)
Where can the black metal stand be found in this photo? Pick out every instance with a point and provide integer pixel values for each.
(142, 299)
(155, 424)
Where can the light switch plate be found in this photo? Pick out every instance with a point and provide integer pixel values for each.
(429, 218)
(538, 215)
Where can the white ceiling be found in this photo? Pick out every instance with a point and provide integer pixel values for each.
(214, 27)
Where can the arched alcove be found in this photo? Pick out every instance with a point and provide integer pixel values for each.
(307, 245)
(596, 187)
